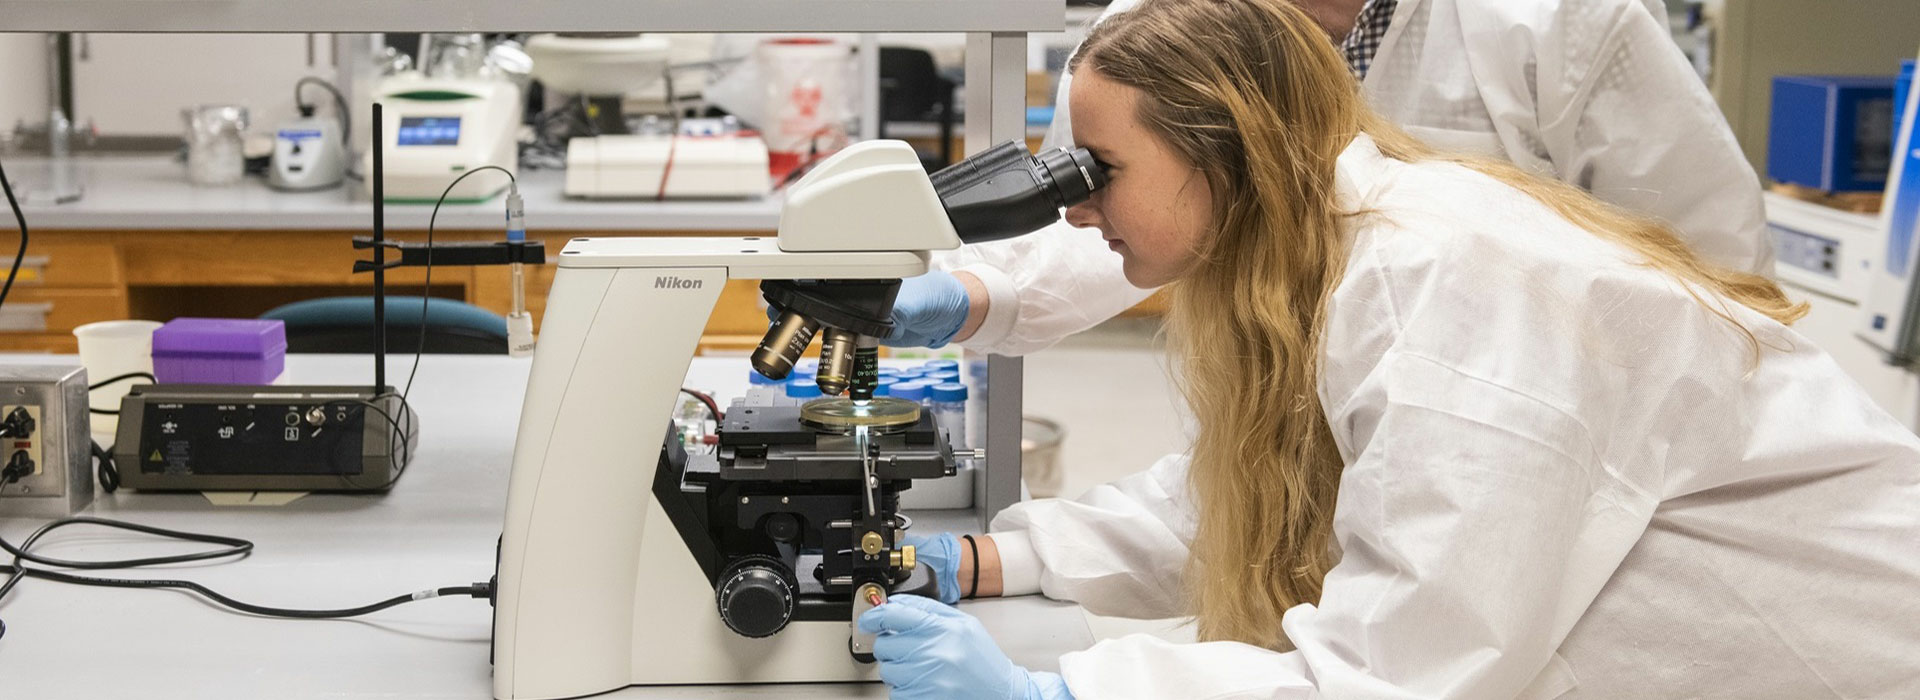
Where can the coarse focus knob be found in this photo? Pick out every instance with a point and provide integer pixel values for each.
(756, 597)
(903, 559)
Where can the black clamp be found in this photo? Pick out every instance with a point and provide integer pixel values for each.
(457, 253)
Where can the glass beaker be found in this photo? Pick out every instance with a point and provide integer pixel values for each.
(214, 148)
(455, 56)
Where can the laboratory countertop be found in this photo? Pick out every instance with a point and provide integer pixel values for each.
(134, 193)
(436, 528)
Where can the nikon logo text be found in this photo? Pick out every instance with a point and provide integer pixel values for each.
(674, 283)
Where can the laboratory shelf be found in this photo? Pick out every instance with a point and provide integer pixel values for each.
(541, 16)
(151, 193)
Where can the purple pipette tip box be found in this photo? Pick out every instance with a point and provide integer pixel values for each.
(219, 351)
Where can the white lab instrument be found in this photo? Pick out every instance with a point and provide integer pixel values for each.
(1564, 479)
(599, 65)
(605, 573)
(309, 153)
(1890, 314)
(438, 128)
(1649, 141)
(575, 616)
(720, 166)
(686, 162)
(1826, 258)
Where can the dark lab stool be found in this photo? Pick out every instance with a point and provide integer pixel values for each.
(345, 325)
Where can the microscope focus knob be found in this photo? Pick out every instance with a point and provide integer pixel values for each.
(756, 597)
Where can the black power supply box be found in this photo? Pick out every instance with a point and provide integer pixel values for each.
(206, 437)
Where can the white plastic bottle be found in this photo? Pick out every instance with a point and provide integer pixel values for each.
(950, 412)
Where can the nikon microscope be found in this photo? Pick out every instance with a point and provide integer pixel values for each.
(627, 561)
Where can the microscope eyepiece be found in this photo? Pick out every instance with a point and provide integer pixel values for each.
(1006, 191)
(1075, 174)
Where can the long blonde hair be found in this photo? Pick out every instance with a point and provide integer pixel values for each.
(1252, 94)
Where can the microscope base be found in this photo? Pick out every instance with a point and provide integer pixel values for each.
(678, 637)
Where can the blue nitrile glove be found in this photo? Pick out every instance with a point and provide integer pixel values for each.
(930, 651)
(928, 312)
(941, 555)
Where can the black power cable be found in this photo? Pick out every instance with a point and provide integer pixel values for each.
(116, 380)
(22, 219)
(426, 293)
(339, 102)
(104, 467)
(399, 460)
(229, 547)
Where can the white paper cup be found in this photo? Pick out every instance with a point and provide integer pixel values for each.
(109, 349)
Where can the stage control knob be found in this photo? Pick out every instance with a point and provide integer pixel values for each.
(756, 597)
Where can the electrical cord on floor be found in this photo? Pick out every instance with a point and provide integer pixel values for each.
(228, 547)
(427, 286)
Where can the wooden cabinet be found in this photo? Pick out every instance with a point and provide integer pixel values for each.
(90, 276)
(76, 282)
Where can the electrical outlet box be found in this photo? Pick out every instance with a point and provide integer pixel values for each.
(44, 410)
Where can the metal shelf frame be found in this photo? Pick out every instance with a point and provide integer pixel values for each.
(343, 16)
(995, 73)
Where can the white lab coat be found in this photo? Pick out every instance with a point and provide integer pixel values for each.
(1564, 479)
(1592, 92)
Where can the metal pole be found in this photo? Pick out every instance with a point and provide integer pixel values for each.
(869, 87)
(378, 175)
(997, 112)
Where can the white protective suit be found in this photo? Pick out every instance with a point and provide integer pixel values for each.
(1564, 478)
(1592, 92)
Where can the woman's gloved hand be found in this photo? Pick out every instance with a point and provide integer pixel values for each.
(929, 311)
(930, 651)
(940, 553)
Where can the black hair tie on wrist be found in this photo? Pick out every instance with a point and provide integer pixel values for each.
(973, 590)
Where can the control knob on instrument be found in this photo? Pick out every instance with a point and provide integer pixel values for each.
(756, 596)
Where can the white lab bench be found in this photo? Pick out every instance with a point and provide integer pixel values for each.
(436, 528)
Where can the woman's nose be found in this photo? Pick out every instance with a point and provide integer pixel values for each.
(1085, 214)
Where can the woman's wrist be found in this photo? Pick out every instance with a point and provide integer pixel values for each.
(982, 552)
(978, 301)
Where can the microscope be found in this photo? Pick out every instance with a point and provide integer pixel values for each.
(624, 559)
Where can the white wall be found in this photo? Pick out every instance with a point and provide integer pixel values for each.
(23, 82)
(136, 84)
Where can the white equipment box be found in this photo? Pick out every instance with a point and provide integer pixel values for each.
(724, 166)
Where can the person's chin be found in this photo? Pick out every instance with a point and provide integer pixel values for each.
(1135, 275)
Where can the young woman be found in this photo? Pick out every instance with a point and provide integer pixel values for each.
(1589, 92)
(1462, 432)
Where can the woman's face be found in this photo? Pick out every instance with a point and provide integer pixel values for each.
(1155, 206)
